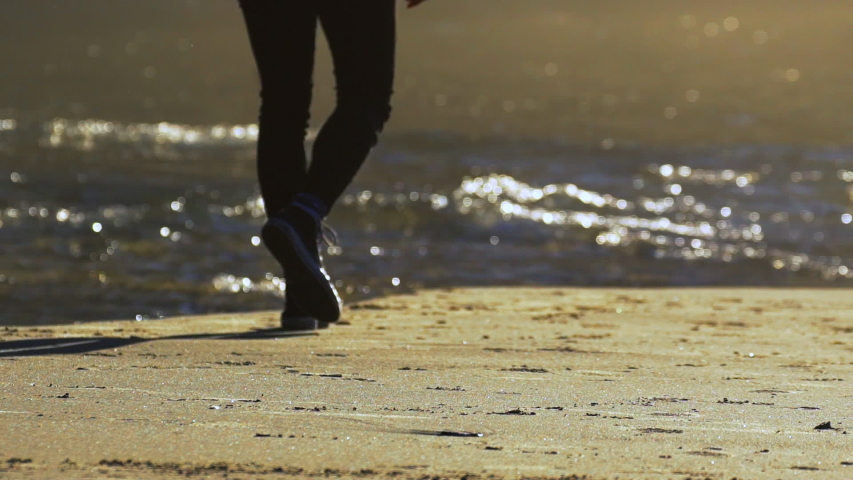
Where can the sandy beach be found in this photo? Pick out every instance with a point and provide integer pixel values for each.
(602, 151)
(465, 383)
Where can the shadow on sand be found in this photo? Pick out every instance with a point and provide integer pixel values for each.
(81, 345)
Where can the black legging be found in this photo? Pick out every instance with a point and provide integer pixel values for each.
(361, 35)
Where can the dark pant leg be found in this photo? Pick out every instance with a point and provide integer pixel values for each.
(282, 34)
(362, 36)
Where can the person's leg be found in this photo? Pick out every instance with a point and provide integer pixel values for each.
(362, 37)
(282, 35)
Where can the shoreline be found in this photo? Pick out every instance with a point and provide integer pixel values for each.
(559, 382)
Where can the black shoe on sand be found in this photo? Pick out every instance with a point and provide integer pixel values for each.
(294, 319)
(292, 236)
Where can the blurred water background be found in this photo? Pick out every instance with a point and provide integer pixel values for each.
(536, 142)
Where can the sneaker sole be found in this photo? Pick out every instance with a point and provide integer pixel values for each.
(301, 323)
(311, 288)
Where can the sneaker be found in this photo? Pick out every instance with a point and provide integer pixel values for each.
(293, 236)
(294, 318)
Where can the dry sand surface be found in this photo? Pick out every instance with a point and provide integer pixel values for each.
(557, 383)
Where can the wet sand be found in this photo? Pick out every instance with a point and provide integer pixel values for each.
(559, 383)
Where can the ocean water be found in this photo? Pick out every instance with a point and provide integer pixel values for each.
(549, 142)
(114, 220)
